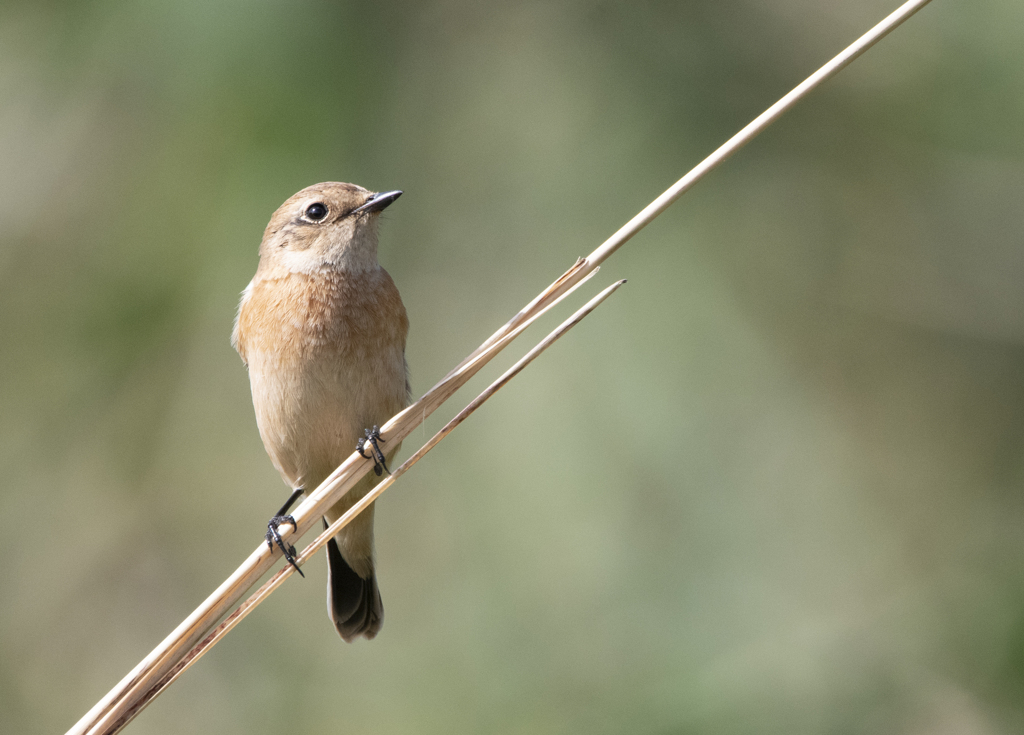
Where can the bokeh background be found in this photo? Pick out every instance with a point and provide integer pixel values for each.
(772, 486)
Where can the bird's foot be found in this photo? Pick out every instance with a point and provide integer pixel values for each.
(274, 537)
(372, 437)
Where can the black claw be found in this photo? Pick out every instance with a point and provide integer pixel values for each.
(372, 437)
(274, 537)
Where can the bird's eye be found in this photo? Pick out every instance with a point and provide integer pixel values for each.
(315, 212)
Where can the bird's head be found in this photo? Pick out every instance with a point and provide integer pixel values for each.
(330, 225)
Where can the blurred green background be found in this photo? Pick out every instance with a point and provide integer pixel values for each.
(772, 486)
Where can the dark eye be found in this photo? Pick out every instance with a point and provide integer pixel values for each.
(315, 212)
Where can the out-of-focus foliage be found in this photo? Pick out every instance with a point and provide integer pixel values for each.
(773, 486)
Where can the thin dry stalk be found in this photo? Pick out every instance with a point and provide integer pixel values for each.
(723, 153)
(123, 698)
(119, 706)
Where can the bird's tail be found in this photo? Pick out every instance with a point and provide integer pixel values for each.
(352, 601)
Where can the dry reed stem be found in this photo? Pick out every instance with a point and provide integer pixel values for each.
(113, 707)
(120, 705)
(719, 156)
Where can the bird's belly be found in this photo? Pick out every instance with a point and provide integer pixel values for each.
(311, 415)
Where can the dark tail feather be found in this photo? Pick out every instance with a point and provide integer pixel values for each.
(352, 602)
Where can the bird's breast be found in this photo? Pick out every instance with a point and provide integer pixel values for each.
(326, 359)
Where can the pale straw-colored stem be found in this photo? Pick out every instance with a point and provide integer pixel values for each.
(122, 698)
(117, 708)
(712, 162)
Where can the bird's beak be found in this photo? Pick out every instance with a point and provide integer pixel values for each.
(378, 202)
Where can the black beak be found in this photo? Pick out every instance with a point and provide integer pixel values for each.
(378, 202)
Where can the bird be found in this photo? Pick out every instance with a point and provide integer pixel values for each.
(321, 329)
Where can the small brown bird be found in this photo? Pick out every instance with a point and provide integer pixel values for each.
(322, 330)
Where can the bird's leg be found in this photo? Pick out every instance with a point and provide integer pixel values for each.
(273, 535)
(372, 437)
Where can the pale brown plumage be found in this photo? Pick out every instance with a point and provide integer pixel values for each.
(322, 330)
